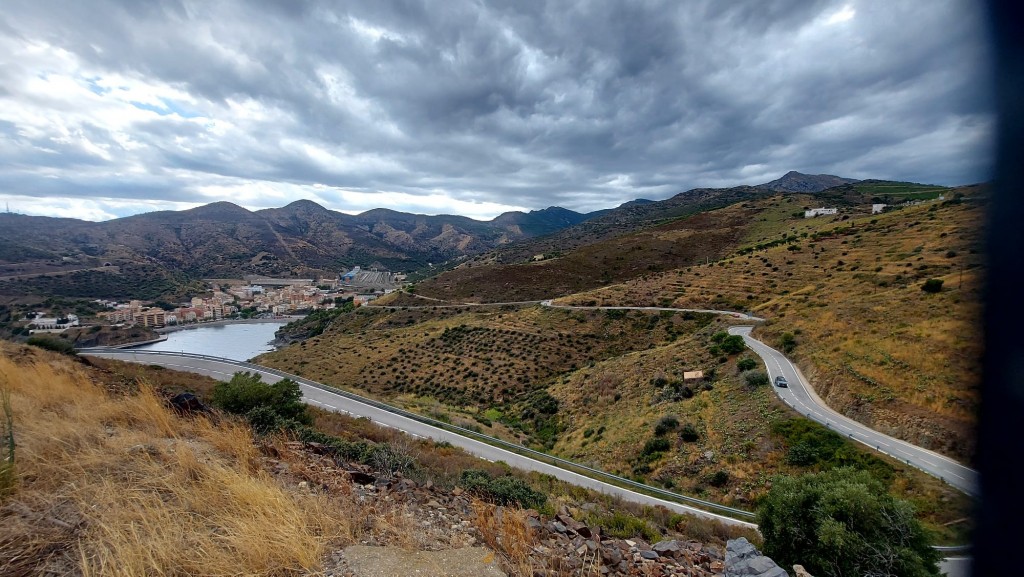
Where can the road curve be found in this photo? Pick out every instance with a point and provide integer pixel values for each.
(315, 394)
(801, 397)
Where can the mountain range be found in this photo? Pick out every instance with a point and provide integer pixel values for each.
(303, 238)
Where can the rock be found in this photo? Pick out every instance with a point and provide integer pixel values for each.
(742, 559)
(611, 555)
(387, 561)
(187, 403)
(558, 527)
(799, 571)
(667, 548)
(651, 555)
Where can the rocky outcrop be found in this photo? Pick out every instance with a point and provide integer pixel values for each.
(447, 520)
(742, 559)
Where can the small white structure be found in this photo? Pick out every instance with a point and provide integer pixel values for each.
(878, 208)
(820, 212)
(52, 324)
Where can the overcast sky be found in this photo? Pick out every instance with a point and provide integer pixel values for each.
(475, 108)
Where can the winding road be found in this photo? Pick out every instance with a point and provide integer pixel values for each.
(802, 398)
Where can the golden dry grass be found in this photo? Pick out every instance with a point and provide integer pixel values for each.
(113, 485)
(505, 530)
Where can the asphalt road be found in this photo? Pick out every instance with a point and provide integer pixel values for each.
(801, 396)
(223, 369)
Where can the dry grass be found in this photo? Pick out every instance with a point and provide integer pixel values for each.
(505, 530)
(112, 485)
(873, 343)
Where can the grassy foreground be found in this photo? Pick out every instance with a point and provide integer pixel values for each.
(118, 485)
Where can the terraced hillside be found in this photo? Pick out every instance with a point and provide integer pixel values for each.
(845, 298)
(474, 363)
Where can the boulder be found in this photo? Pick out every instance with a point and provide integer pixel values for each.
(187, 404)
(799, 571)
(667, 548)
(742, 559)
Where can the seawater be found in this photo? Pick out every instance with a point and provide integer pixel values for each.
(239, 342)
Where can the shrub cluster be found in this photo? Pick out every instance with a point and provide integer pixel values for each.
(843, 522)
(504, 490)
(268, 407)
(51, 343)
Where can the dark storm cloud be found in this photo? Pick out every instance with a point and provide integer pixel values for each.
(526, 104)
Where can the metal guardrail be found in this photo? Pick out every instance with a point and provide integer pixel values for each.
(493, 441)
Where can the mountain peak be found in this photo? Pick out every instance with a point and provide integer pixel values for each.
(794, 181)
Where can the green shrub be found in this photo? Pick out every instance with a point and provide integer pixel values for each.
(719, 337)
(689, 433)
(810, 444)
(51, 343)
(719, 479)
(843, 522)
(247, 391)
(787, 342)
(932, 285)
(746, 364)
(623, 526)
(756, 379)
(666, 424)
(732, 344)
(658, 445)
(505, 490)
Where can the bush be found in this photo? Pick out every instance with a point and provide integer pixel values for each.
(787, 342)
(666, 424)
(623, 526)
(505, 490)
(746, 364)
(247, 391)
(52, 344)
(932, 285)
(689, 433)
(843, 522)
(732, 344)
(719, 337)
(718, 479)
(756, 379)
(657, 445)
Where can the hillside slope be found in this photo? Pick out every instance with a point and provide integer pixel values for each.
(849, 294)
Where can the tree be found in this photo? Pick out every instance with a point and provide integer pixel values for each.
(843, 522)
(746, 364)
(732, 344)
(932, 285)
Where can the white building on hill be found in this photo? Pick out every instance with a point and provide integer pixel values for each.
(820, 212)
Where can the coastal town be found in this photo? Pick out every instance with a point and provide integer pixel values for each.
(249, 298)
